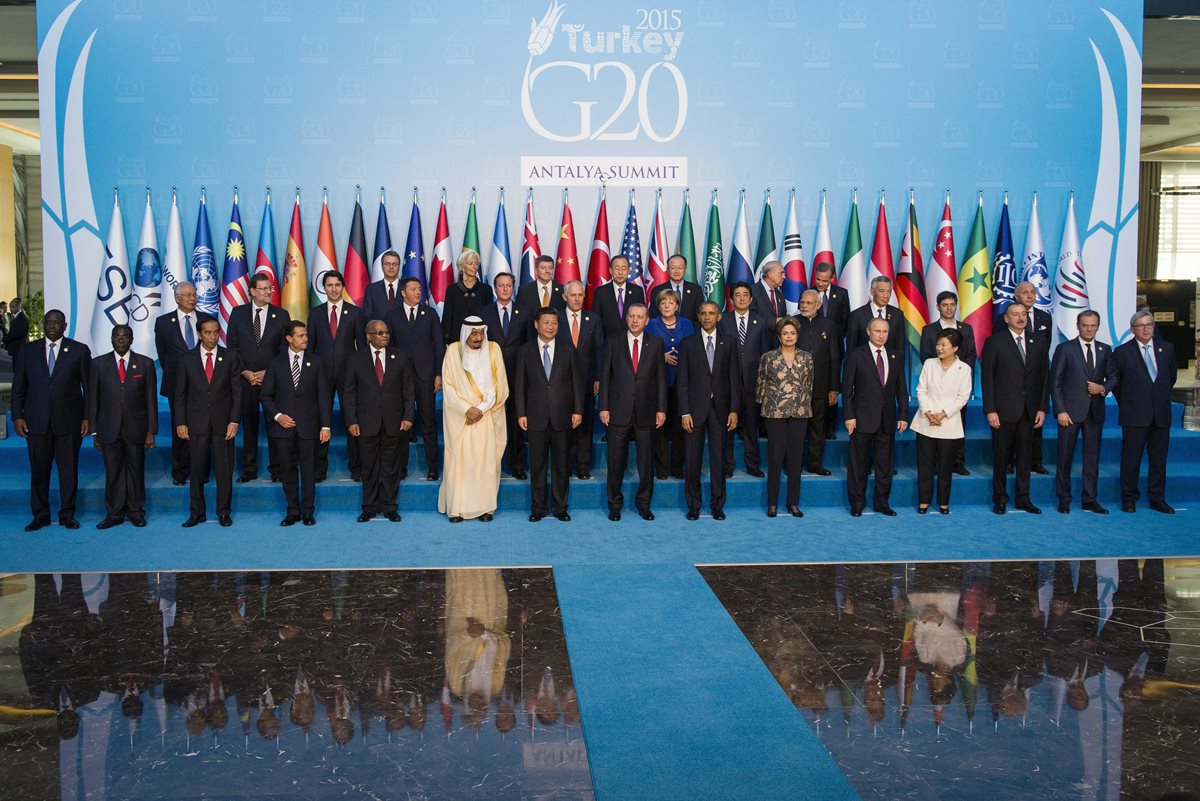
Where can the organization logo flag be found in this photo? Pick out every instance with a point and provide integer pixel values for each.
(441, 268)
(598, 273)
(881, 253)
(295, 271)
(1070, 280)
(685, 240)
(114, 294)
(530, 249)
(824, 243)
(147, 285)
(175, 267)
(943, 273)
(414, 250)
(738, 269)
(566, 260)
(204, 265)
(795, 277)
(264, 260)
(383, 241)
(631, 243)
(471, 233)
(235, 287)
(498, 262)
(1004, 266)
(656, 259)
(910, 280)
(714, 258)
(1034, 268)
(975, 281)
(766, 250)
(325, 259)
(355, 269)
(853, 277)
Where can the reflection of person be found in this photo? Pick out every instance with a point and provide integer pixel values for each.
(473, 396)
(942, 391)
(51, 380)
(947, 306)
(876, 408)
(688, 294)
(1145, 368)
(672, 329)
(784, 387)
(337, 331)
(749, 332)
(414, 328)
(175, 334)
(124, 405)
(478, 645)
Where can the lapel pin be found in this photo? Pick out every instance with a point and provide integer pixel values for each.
(272, 315)
(132, 366)
(65, 349)
(220, 358)
(393, 356)
(308, 364)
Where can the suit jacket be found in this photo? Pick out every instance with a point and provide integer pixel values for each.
(701, 390)
(335, 353)
(52, 404)
(819, 337)
(209, 408)
(129, 409)
(591, 343)
(1069, 376)
(529, 297)
(757, 343)
(172, 346)
(375, 300)
(633, 399)
(966, 352)
(239, 335)
(379, 409)
(860, 318)
(18, 334)
(310, 404)
(519, 330)
(874, 407)
(1140, 401)
(838, 311)
(604, 303)
(421, 340)
(549, 402)
(760, 303)
(1011, 388)
(689, 308)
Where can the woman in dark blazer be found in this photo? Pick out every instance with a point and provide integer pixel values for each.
(785, 380)
(464, 296)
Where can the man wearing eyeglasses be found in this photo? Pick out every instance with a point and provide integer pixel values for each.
(1145, 367)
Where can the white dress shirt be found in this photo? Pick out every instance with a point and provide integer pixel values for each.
(184, 325)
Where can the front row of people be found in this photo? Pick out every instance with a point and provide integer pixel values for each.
(60, 394)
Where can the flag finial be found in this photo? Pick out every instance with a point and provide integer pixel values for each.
(117, 194)
(173, 195)
(235, 193)
(147, 194)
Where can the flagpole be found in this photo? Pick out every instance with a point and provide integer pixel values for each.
(358, 193)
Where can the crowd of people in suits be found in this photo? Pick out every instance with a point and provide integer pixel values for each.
(672, 374)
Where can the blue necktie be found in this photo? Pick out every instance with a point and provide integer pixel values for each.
(50, 365)
(1150, 364)
(546, 360)
(189, 337)
(504, 321)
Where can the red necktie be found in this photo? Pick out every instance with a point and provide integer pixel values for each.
(391, 296)
(378, 369)
(635, 356)
(774, 305)
(333, 322)
(208, 365)
(121, 368)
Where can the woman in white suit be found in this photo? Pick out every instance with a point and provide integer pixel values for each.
(942, 391)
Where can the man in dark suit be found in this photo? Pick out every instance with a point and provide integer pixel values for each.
(255, 334)
(336, 331)
(1013, 374)
(750, 333)
(582, 331)
(18, 330)
(414, 328)
(550, 391)
(1145, 374)
(509, 325)
(51, 381)
(633, 403)
(709, 386)
(383, 296)
(208, 394)
(878, 307)
(817, 336)
(875, 394)
(768, 301)
(947, 305)
(835, 307)
(542, 291)
(175, 334)
(297, 397)
(1081, 374)
(380, 404)
(123, 404)
(610, 300)
(689, 293)
(1041, 325)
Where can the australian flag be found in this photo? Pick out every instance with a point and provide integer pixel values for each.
(631, 246)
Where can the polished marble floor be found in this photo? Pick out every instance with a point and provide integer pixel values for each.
(1000, 680)
(413, 684)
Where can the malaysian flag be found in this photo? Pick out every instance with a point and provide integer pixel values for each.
(631, 245)
(235, 287)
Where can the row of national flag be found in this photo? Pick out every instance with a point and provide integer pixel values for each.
(985, 284)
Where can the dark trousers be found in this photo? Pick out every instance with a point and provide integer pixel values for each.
(427, 423)
(618, 458)
(785, 446)
(860, 458)
(579, 440)
(124, 479)
(668, 440)
(250, 420)
(1134, 441)
(204, 446)
(1035, 451)
(713, 429)
(381, 470)
(548, 448)
(816, 430)
(297, 473)
(748, 427)
(45, 451)
(180, 453)
(1067, 437)
(352, 455)
(960, 446)
(515, 449)
(1011, 442)
(935, 457)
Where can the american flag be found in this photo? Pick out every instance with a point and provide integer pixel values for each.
(631, 245)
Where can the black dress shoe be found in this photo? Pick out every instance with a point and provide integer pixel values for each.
(456, 520)
(961, 470)
(1064, 507)
(193, 521)
(109, 522)
(660, 476)
(320, 479)
(1029, 508)
(895, 472)
(1128, 506)
(486, 517)
(276, 479)
(585, 475)
(820, 471)
(290, 520)
(693, 514)
(922, 510)
(1010, 469)
(614, 515)
(563, 516)
(392, 517)
(728, 472)
(225, 520)
(138, 522)
(365, 517)
(36, 523)
(754, 471)
(72, 523)
(403, 475)
(998, 508)
(795, 511)
(308, 520)
(432, 475)
(179, 482)
(646, 514)
(245, 477)
(1040, 470)
(533, 518)
(855, 512)
(676, 475)
(519, 475)
(1163, 507)
(945, 510)
(831, 435)
(1093, 506)
(772, 511)
(886, 511)
(718, 514)
(357, 477)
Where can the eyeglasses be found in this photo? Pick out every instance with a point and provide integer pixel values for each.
(1143, 326)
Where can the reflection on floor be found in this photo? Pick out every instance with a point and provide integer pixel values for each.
(374, 684)
(987, 680)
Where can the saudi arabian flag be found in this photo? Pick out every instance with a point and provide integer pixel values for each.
(471, 235)
(975, 283)
(685, 242)
(714, 258)
(766, 250)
